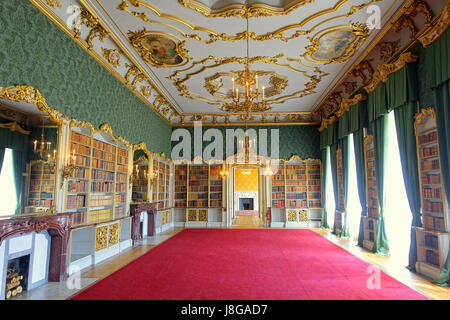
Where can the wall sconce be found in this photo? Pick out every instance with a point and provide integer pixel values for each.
(268, 171)
(224, 173)
(68, 169)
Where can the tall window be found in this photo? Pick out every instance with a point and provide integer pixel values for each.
(398, 214)
(8, 200)
(331, 206)
(353, 205)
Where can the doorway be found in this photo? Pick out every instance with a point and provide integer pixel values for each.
(247, 201)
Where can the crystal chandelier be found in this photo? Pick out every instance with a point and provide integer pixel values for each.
(252, 98)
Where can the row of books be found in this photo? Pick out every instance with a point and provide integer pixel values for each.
(40, 203)
(314, 203)
(215, 196)
(295, 204)
(278, 204)
(100, 201)
(80, 138)
(180, 204)
(122, 178)
(428, 138)
(80, 173)
(105, 187)
(277, 195)
(433, 207)
(298, 196)
(215, 189)
(121, 187)
(180, 196)
(99, 215)
(295, 177)
(77, 186)
(104, 146)
(120, 198)
(197, 203)
(433, 223)
(102, 175)
(197, 196)
(80, 149)
(122, 168)
(104, 165)
(431, 241)
(434, 179)
(76, 201)
(434, 193)
(215, 203)
(180, 188)
(296, 183)
(295, 189)
(429, 152)
(372, 212)
(277, 189)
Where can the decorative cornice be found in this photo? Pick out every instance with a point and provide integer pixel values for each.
(326, 122)
(384, 70)
(438, 28)
(347, 103)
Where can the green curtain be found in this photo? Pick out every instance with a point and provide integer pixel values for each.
(380, 130)
(2, 155)
(13, 140)
(344, 144)
(19, 164)
(442, 103)
(358, 141)
(323, 221)
(333, 149)
(328, 136)
(404, 121)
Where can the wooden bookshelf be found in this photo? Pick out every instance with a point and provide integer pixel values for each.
(279, 187)
(198, 185)
(215, 186)
(314, 182)
(41, 186)
(161, 183)
(433, 238)
(120, 196)
(341, 199)
(180, 186)
(373, 205)
(98, 189)
(296, 185)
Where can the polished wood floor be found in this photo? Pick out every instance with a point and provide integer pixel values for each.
(387, 264)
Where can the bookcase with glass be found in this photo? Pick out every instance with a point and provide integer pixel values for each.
(97, 190)
(161, 189)
(433, 238)
(340, 210)
(41, 186)
(373, 207)
(180, 185)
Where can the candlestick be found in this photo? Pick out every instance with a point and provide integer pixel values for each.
(35, 142)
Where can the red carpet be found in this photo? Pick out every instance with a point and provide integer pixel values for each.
(239, 264)
(247, 213)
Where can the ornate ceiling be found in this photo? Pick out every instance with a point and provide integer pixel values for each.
(179, 55)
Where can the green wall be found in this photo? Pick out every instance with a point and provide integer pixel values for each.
(36, 52)
(299, 140)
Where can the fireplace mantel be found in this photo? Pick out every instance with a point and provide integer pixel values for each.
(57, 226)
(135, 210)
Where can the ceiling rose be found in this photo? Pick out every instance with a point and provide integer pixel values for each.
(237, 8)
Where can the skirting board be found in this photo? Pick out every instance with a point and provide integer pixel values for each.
(179, 224)
(106, 253)
(297, 225)
(427, 270)
(277, 224)
(195, 224)
(80, 264)
(214, 224)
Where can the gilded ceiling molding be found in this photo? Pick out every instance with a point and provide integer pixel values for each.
(352, 35)
(112, 56)
(14, 126)
(216, 36)
(137, 73)
(326, 122)
(240, 10)
(347, 103)
(384, 70)
(183, 89)
(141, 41)
(53, 3)
(31, 95)
(437, 29)
(388, 49)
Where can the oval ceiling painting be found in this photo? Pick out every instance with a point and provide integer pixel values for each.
(334, 44)
(158, 49)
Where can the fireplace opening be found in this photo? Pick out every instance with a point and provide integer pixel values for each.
(17, 276)
(246, 204)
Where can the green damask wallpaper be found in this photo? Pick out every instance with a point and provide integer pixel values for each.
(35, 52)
(303, 141)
